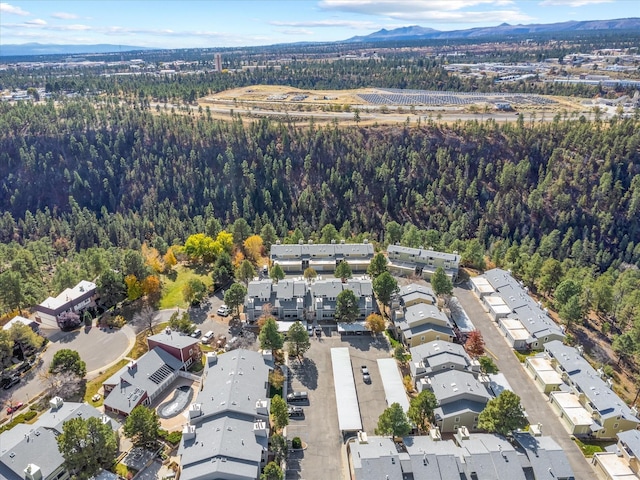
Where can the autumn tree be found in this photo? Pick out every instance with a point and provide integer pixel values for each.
(151, 288)
(152, 258)
(375, 323)
(347, 309)
(169, 259)
(134, 287)
(309, 274)
(474, 344)
(253, 248)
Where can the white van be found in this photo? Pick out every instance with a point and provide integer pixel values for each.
(208, 336)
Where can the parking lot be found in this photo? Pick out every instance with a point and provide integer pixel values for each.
(319, 426)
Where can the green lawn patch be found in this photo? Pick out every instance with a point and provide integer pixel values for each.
(588, 449)
(172, 289)
(94, 385)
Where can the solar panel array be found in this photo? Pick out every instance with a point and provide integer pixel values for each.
(393, 96)
(161, 374)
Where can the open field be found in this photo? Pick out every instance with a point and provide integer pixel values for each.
(384, 106)
(172, 287)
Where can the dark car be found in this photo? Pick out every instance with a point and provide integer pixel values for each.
(12, 381)
(318, 331)
(295, 411)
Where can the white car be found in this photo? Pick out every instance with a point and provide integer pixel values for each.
(223, 311)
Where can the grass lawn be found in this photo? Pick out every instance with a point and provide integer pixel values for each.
(588, 449)
(94, 385)
(172, 289)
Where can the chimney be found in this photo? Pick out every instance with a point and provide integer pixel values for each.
(189, 432)
(195, 410)
(32, 472)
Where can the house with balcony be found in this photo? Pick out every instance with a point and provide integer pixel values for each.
(227, 434)
(422, 323)
(461, 398)
(30, 451)
(290, 299)
(322, 257)
(587, 403)
(431, 358)
(467, 456)
(421, 262)
(324, 294)
(260, 298)
(75, 300)
(622, 460)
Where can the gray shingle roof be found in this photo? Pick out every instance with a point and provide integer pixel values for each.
(583, 375)
(375, 460)
(17, 446)
(173, 339)
(631, 438)
(132, 381)
(450, 385)
(226, 444)
(547, 459)
(417, 313)
(260, 289)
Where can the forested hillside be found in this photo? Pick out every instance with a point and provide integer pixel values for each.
(106, 175)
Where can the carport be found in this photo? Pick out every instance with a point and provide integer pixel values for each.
(394, 390)
(345, 387)
(354, 328)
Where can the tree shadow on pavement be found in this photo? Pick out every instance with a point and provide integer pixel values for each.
(294, 469)
(306, 372)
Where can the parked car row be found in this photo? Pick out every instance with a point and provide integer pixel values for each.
(297, 398)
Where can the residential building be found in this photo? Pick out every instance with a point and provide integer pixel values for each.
(431, 358)
(422, 323)
(183, 347)
(324, 295)
(141, 381)
(32, 324)
(545, 376)
(461, 398)
(227, 435)
(407, 261)
(622, 460)
(322, 257)
(587, 397)
(466, 457)
(524, 323)
(414, 294)
(295, 299)
(260, 298)
(30, 451)
(74, 299)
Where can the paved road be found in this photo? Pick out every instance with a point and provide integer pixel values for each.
(97, 347)
(319, 428)
(534, 402)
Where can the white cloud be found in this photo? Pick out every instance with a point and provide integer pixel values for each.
(6, 8)
(326, 23)
(452, 11)
(42, 25)
(35, 21)
(64, 15)
(572, 3)
(297, 31)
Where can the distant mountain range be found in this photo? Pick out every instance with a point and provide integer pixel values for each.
(421, 33)
(51, 49)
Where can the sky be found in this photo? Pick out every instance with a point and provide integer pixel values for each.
(223, 23)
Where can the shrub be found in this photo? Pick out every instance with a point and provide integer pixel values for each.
(170, 437)
(296, 442)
